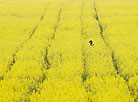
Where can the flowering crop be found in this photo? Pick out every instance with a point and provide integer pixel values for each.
(45, 54)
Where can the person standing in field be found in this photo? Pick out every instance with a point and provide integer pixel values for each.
(91, 43)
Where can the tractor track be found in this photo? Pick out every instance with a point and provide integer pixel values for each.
(52, 38)
(56, 26)
(34, 30)
(85, 72)
(21, 46)
(14, 56)
(46, 64)
(114, 59)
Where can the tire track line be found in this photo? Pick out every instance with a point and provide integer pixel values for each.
(114, 60)
(56, 26)
(14, 56)
(21, 46)
(85, 72)
(52, 38)
(46, 65)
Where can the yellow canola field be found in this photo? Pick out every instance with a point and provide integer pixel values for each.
(45, 55)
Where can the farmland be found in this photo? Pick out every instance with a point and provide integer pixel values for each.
(45, 55)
